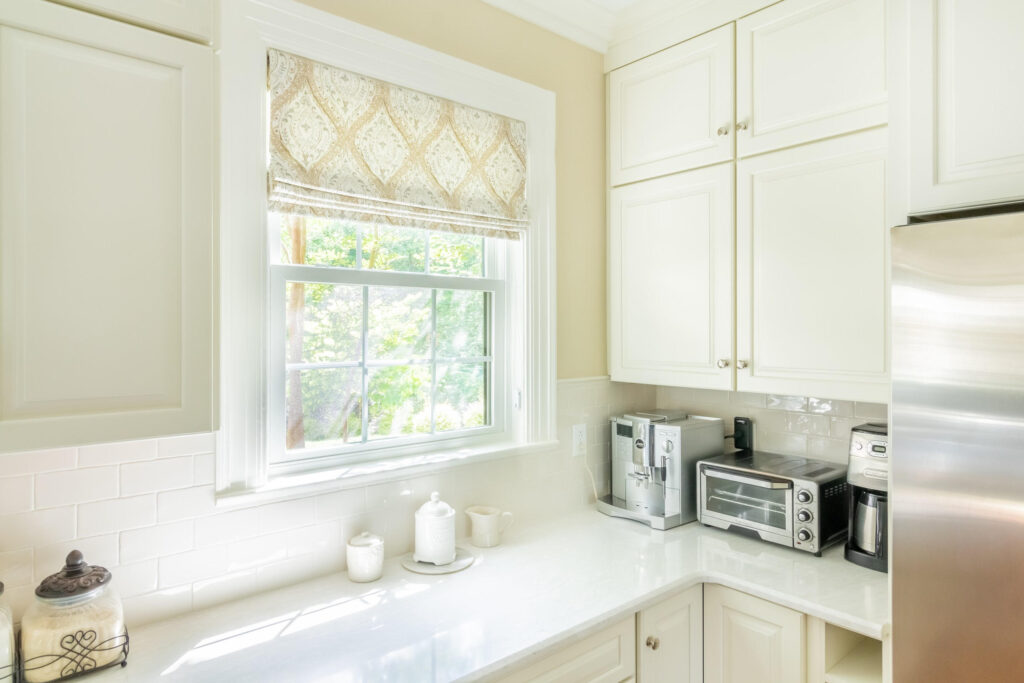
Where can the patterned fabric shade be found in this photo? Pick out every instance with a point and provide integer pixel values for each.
(347, 146)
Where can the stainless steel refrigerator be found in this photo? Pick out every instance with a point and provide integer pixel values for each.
(957, 440)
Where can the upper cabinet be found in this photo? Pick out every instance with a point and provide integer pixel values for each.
(962, 130)
(106, 234)
(192, 19)
(672, 111)
(808, 70)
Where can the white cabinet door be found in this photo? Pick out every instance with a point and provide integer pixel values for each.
(811, 282)
(966, 104)
(106, 236)
(670, 639)
(670, 285)
(189, 18)
(747, 639)
(605, 657)
(807, 70)
(673, 110)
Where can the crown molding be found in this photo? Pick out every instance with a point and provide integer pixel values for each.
(582, 21)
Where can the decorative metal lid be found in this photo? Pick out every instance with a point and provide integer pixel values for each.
(77, 578)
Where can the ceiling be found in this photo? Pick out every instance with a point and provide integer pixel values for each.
(588, 22)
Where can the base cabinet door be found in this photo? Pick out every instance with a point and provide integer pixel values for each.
(670, 285)
(605, 657)
(673, 110)
(747, 639)
(811, 245)
(669, 639)
(965, 67)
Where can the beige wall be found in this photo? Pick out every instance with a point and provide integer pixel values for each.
(484, 35)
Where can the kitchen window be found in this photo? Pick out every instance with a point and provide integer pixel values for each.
(387, 256)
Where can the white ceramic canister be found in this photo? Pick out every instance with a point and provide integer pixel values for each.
(364, 555)
(6, 641)
(75, 625)
(435, 532)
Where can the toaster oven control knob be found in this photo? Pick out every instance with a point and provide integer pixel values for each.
(804, 496)
(804, 515)
(804, 535)
(668, 445)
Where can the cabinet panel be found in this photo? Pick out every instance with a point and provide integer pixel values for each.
(605, 657)
(189, 18)
(966, 63)
(671, 279)
(809, 69)
(673, 110)
(678, 625)
(748, 639)
(105, 230)
(811, 270)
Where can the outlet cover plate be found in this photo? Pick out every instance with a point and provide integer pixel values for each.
(579, 440)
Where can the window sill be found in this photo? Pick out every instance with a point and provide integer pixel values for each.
(289, 486)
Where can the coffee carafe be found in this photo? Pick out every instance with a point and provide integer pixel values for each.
(868, 497)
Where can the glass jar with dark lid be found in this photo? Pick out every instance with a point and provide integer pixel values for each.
(6, 641)
(75, 625)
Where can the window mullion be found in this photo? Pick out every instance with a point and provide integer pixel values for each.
(433, 360)
(366, 373)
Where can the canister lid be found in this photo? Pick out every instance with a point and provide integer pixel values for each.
(365, 539)
(435, 507)
(76, 578)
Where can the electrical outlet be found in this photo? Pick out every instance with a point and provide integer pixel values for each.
(579, 439)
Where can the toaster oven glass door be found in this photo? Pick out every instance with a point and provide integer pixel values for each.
(748, 500)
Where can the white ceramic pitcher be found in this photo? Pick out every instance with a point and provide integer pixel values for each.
(488, 525)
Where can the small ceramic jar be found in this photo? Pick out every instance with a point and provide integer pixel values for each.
(76, 624)
(435, 532)
(364, 555)
(6, 641)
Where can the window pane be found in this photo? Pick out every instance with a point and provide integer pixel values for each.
(318, 241)
(323, 407)
(399, 401)
(330, 318)
(389, 248)
(399, 323)
(461, 396)
(461, 323)
(452, 254)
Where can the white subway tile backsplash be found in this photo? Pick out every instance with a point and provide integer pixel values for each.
(115, 515)
(40, 527)
(253, 552)
(34, 462)
(871, 411)
(188, 444)
(339, 504)
(15, 495)
(161, 604)
(779, 402)
(801, 423)
(166, 539)
(197, 501)
(286, 515)
(134, 579)
(227, 527)
(116, 453)
(195, 565)
(16, 568)
(827, 406)
(223, 589)
(75, 486)
(204, 469)
(165, 474)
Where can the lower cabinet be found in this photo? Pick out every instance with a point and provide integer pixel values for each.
(605, 657)
(748, 639)
(669, 639)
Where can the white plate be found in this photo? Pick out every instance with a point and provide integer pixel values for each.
(463, 558)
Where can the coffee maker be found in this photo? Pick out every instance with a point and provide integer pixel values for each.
(654, 456)
(868, 497)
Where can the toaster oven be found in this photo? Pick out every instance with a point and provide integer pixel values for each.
(796, 502)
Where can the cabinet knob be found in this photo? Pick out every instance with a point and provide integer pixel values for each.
(723, 362)
(653, 642)
(723, 130)
(742, 125)
(741, 364)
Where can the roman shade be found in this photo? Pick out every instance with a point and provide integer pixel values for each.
(347, 146)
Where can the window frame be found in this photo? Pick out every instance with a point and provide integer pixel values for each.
(524, 273)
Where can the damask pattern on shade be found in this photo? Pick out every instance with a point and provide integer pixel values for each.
(347, 146)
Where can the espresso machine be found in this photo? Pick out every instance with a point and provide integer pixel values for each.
(654, 456)
(868, 501)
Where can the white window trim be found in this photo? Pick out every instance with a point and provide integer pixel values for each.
(248, 28)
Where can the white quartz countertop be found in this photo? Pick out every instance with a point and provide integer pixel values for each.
(546, 585)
